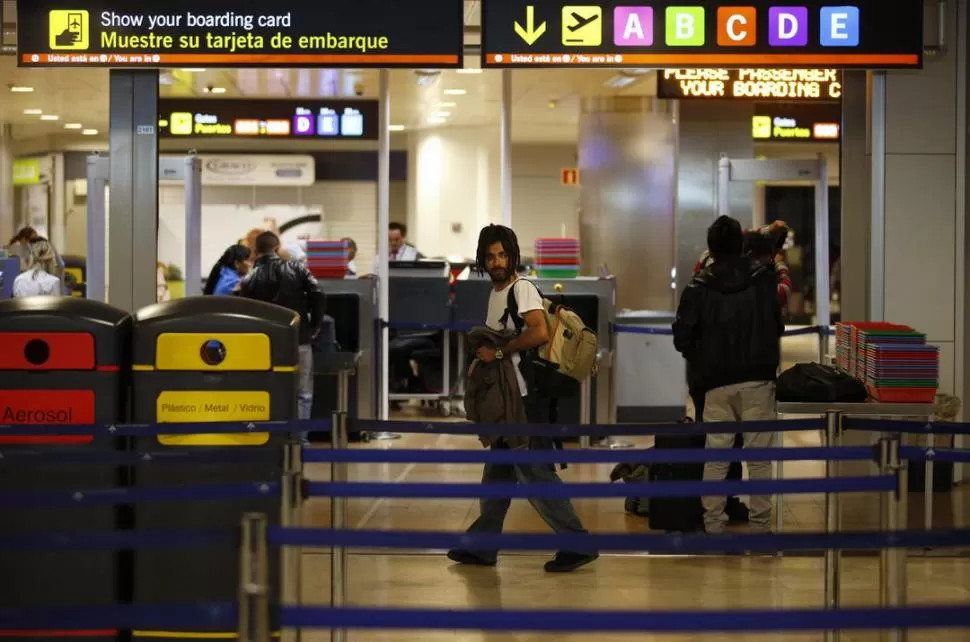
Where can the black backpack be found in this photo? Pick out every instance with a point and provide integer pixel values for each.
(817, 383)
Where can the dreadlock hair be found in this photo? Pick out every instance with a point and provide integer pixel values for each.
(492, 234)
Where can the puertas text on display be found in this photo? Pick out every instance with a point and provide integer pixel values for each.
(229, 32)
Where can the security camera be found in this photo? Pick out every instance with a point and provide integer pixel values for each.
(358, 89)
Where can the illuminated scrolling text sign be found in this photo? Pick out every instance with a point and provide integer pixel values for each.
(761, 84)
(681, 33)
(238, 33)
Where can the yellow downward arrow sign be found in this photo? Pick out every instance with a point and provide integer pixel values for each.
(530, 33)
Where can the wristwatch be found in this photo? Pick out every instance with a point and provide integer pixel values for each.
(499, 355)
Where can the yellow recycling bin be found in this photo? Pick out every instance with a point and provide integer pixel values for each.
(203, 360)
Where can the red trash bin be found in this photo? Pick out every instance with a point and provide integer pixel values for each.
(63, 361)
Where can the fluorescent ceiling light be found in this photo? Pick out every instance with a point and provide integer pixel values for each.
(90, 132)
(216, 90)
(469, 71)
(619, 82)
(455, 92)
(33, 112)
(446, 105)
(72, 125)
(21, 89)
(441, 114)
(396, 128)
(49, 117)
(436, 121)
(194, 70)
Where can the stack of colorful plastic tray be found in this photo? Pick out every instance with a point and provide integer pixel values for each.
(557, 258)
(847, 339)
(327, 259)
(902, 372)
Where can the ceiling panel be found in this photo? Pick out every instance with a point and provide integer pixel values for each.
(545, 102)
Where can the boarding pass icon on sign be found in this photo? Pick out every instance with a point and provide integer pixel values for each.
(582, 26)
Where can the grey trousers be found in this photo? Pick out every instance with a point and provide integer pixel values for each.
(752, 401)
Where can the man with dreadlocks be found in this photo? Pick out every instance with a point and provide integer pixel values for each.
(498, 256)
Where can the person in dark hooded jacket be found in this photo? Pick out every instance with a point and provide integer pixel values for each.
(728, 328)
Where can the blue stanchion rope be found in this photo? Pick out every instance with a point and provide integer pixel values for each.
(954, 455)
(566, 431)
(904, 426)
(575, 621)
(684, 544)
(666, 331)
(569, 456)
(153, 430)
(115, 496)
(227, 455)
(121, 540)
(200, 616)
(590, 490)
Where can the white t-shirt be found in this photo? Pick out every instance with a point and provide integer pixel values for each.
(528, 299)
(36, 283)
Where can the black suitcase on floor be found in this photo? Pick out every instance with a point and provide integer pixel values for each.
(682, 514)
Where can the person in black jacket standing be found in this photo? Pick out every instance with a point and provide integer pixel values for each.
(729, 329)
(291, 285)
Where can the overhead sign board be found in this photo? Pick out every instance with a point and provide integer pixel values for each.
(239, 33)
(294, 119)
(793, 123)
(291, 170)
(809, 85)
(708, 33)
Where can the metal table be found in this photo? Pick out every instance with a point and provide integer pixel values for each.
(893, 512)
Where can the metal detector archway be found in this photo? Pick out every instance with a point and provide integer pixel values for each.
(187, 170)
(816, 170)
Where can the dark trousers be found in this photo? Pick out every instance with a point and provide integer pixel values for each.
(559, 514)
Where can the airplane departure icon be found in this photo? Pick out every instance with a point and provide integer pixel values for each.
(581, 21)
(582, 26)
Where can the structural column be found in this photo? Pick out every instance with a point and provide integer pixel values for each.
(854, 189)
(628, 165)
(133, 239)
(6, 184)
(708, 129)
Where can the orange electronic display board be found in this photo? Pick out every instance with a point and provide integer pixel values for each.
(239, 33)
(868, 34)
(788, 85)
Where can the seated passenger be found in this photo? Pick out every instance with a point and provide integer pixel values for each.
(41, 266)
(228, 271)
(733, 364)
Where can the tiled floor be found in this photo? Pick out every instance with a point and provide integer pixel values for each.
(614, 582)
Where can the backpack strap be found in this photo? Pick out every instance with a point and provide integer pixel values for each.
(512, 306)
(512, 310)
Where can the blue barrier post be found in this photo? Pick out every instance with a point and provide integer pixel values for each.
(254, 579)
(338, 520)
(292, 505)
(833, 557)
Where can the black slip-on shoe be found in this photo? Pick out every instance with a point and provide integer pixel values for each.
(568, 562)
(468, 558)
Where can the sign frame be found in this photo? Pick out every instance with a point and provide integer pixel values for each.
(537, 38)
(119, 34)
